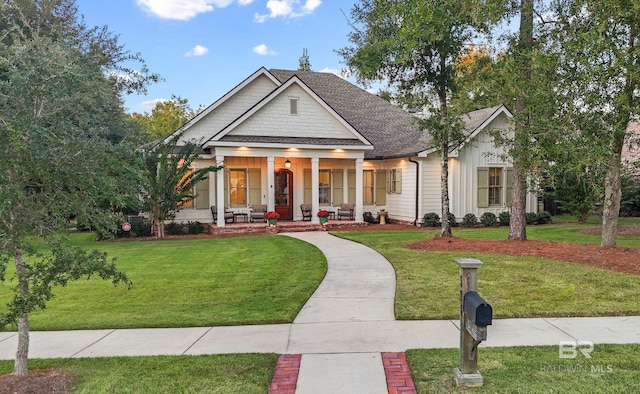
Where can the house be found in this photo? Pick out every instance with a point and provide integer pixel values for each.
(291, 137)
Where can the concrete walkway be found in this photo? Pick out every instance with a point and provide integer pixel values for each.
(340, 332)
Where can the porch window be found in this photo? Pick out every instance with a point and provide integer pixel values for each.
(187, 203)
(367, 187)
(324, 187)
(238, 188)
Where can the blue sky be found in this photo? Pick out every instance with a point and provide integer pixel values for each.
(203, 48)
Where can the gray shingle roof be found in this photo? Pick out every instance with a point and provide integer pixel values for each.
(391, 130)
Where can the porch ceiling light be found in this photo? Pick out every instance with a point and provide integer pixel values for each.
(287, 163)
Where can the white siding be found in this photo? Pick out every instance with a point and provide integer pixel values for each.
(230, 110)
(401, 206)
(312, 119)
(431, 185)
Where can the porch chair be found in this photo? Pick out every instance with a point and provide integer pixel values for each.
(345, 211)
(228, 215)
(257, 212)
(306, 211)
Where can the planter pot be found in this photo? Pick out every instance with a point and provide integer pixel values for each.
(323, 219)
(272, 222)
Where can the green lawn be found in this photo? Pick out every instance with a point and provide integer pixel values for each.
(181, 283)
(428, 282)
(613, 369)
(232, 373)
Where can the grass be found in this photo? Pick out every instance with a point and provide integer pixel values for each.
(233, 373)
(532, 370)
(427, 284)
(196, 282)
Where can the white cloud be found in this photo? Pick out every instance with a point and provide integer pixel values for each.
(198, 50)
(287, 9)
(341, 73)
(263, 50)
(183, 9)
(150, 104)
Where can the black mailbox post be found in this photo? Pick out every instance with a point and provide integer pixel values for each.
(475, 315)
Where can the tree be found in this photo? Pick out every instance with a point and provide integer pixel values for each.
(413, 45)
(305, 65)
(166, 117)
(599, 45)
(64, 141)
(169, 179)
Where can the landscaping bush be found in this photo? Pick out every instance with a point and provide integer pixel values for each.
(430, 219)
(469, 220)
(532, 218)
(174, 228)
(142, 228)
(544, 217)
(504, 218)
(452, 220)
(195, 227)
(488, 219)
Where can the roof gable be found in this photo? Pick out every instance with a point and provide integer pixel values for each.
(270, 119)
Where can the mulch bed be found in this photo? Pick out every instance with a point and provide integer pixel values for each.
(39, 381)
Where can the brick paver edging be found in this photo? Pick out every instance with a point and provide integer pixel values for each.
(285, 378)
(398, 374)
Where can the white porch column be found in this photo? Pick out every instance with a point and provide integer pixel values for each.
(213, 180)
(271, 180)
(345, 186)
(359, 207)
(220, 191)
(315, 193)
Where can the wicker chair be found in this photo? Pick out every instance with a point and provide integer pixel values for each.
(258, 212)
(306, 211)
(228, 216)
(345, 211)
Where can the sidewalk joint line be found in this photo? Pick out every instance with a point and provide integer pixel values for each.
(559, 329)
(93, 343)
(196, 341)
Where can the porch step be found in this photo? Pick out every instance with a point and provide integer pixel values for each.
(282, 227)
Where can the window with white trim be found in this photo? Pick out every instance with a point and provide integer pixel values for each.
(238, 188)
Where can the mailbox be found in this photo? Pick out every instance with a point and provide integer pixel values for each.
(478, 311)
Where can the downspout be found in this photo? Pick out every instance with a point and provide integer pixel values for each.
(415, 221)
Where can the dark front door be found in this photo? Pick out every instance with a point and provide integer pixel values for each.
(284, 194)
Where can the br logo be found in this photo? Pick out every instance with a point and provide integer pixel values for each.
(570, 349)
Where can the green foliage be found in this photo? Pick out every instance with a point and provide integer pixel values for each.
(488, 219)
(630, 202)
(169, 179)
(368, 217)
(174, 228)
(195, 227)
(532, 218)
(543, 217)
(452, 220)
(469, 220)
(166, 117)
(430, 219)
(504, 218)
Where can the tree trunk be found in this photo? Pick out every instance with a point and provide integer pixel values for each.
(444, 163)
(518, 219)
(611, 207)
(518, 222)
(444, 191)
(20, 366)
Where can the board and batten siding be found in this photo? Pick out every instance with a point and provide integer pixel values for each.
(311, 120)
(229, 110)
(401, 206)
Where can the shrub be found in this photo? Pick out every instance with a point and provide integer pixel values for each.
(532, 218)
(469, 220)
(430, 219)
(195, 227)
(544, 217)
(488, 219)
(452, 220)
(174, 228)
(504, 218)
(142, 228)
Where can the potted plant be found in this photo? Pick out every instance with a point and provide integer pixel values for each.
(323, 215)
(272, 217)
